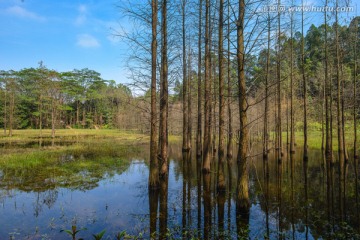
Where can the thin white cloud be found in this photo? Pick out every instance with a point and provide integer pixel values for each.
(87, 41)
(81, 18)
(23, 13)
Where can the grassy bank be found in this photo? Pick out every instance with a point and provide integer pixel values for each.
(315, 139)
(75, 158)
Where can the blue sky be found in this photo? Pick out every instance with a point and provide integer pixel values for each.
(68, 34)
(64, 34)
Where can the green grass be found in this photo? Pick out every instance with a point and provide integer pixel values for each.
(87, 158)
(75, 134)
(315, 139)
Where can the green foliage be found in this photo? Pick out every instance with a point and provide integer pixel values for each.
(100, 235)
(73, 232)
(77, 98)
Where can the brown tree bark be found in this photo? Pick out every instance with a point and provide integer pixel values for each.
(266, 108)
(327, 84)
(230, 127)
(354, 93)
(278, 70)
(5, 110)
(163, 155)
(207, 107)
(53, 117)
(292, 120)
(242, 203)
(199, 114)
(305, 157)
(11, 111)
(189, 99)
(154, 168)
(185, 146)
(221, 153)
(339, 117)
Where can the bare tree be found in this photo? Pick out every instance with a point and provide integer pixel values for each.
(154, 168)
(186, 144)
(304, 85)
(242, 182)
(221, 154)
(199, 115)
(163, 151)
(207, 107)
(229, 87)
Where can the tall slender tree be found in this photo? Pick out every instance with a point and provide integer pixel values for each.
(207, 107)
(229, 87)
(242, 203)
(355, 40)
(266, 108)
(163, 154)
(327, 84)
(154, 171)
(278, 92)
(185, 146)
(338, 113)
(221, 153)
(305, 157)
(292, 120)
(199, 109)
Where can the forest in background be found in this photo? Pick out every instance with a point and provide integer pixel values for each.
(36, 98)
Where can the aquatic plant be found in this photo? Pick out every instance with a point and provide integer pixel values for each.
(73, 232)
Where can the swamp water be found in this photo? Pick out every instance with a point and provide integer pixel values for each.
(289, 200)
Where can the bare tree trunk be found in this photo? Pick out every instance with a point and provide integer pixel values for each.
(278, 70)
(242, 203)
(5, 111)
(221, 154)
(212, 106)
(77, 111)
(322, 118)
(207, 107)
(331, 114)
(189, 120)
(354, 96)
(346, 156)
(230, 128)
(339, 119)
(12, 110)
(53, 120)
(304, 86)
(83, 116)
(199, 115)
(185, 146)
(40, 115)
(327, 85)
(154, 165)
(292, 120)
(266, 110)
(164, 93)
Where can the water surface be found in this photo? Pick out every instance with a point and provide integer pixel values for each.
(289, 200)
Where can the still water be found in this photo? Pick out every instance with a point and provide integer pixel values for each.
(289, 200)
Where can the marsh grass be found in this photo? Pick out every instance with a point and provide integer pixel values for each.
(79, 165)
(74, 134)
(315, 138)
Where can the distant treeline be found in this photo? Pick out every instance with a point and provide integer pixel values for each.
(42, 98)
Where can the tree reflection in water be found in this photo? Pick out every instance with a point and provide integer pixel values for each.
(291, 199)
